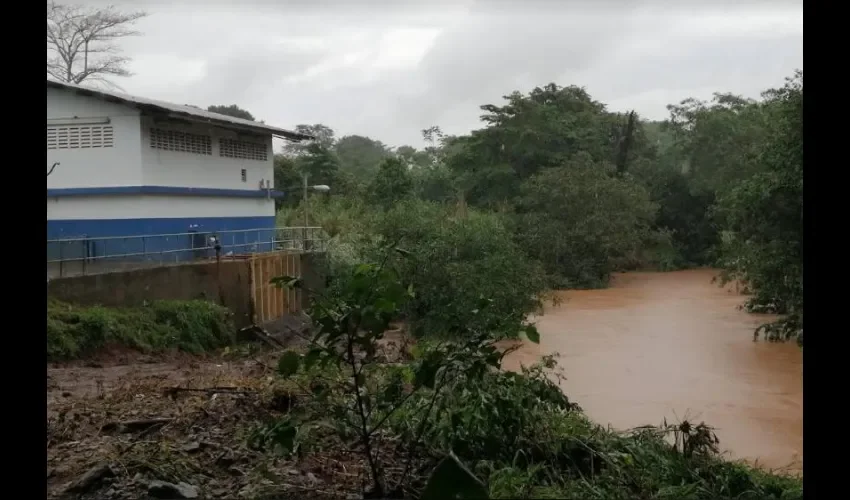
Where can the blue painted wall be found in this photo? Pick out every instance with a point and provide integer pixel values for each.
(89, 237)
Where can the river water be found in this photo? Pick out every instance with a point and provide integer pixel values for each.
(674, 345)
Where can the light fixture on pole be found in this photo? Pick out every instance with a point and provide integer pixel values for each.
(319, 188)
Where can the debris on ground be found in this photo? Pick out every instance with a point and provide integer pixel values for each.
(178, 427)
(171, 491)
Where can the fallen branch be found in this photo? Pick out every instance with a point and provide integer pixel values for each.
(135, 425)
(262, 335)
(172, 391)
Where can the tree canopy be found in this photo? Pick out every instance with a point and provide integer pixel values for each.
(587, 191)
(82, 42)
(232, 110)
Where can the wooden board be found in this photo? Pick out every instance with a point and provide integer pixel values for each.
(271, 302)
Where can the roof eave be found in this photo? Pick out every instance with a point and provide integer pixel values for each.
(263, 129)
(224, 123)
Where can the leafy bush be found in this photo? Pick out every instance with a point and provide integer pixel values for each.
(457, 262)
(355, 390)
(193, 326)
(578, 219)
(348, 222)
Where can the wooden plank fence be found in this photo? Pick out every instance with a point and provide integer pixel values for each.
(271, 302)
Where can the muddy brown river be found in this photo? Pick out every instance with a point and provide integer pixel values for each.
(673, 345)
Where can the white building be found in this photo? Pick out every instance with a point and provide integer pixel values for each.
(134, 166)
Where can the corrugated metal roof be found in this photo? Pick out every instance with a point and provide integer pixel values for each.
(187, 112)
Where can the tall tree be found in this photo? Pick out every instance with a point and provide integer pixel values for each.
(577, 219)
(232, 110)
(762, 216)
(718, 139)
(360, 156)
(392, 184)
(624, 143)
(324, 137)
(319, 163)
(81, 42)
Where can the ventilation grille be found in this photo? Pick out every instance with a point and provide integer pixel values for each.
(232, 148)
(182, 142)
(79, 137)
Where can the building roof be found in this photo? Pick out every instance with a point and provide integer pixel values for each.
(179, 111)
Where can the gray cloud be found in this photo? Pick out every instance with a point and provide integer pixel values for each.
(388, 69)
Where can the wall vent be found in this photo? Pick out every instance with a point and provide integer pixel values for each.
(243, 150)
(181, 142)
(79, 137)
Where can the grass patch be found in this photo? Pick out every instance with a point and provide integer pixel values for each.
(193, 326)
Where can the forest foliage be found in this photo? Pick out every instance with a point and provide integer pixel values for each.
(581, 191)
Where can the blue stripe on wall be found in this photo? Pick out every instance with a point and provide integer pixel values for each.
(163, 190)
(90, 238)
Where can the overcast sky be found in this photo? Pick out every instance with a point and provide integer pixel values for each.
(388, 69)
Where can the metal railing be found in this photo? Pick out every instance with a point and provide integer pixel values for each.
(82, 255)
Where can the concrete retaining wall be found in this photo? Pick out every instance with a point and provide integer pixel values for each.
(227, 283)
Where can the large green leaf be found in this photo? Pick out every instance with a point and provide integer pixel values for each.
(450, 479)
(532, 334)
(288, 363)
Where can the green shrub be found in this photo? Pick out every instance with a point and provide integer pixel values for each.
(192, 326)
(457, 264)
(579, 219)
(525, 439)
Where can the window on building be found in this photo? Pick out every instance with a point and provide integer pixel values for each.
(244, 175)
(181, 142)
(243, 150)
(79, 137)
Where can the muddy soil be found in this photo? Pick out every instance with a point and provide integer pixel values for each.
(120, 424)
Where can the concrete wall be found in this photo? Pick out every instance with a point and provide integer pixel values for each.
(229, 285)
(138, 206)
(170, 168)
(118, 164)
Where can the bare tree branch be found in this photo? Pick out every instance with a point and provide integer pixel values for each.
(82, 42)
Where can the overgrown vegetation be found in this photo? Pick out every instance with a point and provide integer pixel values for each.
(763, 217)
(584, 192)
(192, 326)
(555, 191)
(444, 408)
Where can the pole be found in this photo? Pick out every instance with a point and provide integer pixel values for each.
(306, 202)
(306, 209)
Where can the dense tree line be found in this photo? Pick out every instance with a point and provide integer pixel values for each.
(584, 191)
